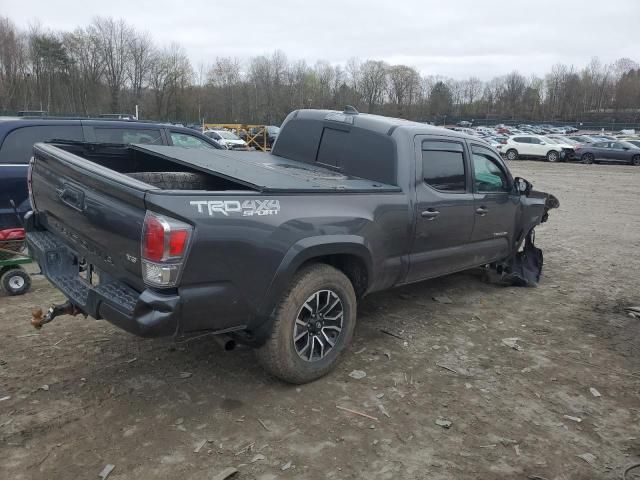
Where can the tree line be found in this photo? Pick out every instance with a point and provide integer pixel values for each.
(110, 67)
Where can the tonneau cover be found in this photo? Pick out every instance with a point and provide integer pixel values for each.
(266, 172)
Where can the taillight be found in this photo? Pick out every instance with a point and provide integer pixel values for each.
(178, 242)
(164, 245)
(153, 238)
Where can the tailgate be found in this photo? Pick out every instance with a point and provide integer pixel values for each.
(98, 212)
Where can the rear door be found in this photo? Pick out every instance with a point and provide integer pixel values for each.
(618, 152)
(496, 205)
(602, 150)
(523, 145)
(444, 208)
(536, 147)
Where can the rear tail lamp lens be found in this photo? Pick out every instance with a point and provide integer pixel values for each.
(164, 244)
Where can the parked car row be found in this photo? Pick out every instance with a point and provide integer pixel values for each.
(522, 128)
(555, 144)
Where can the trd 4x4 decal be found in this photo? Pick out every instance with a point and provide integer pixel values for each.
(246, 208)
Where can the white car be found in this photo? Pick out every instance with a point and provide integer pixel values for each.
(227, 139)
(535, 146)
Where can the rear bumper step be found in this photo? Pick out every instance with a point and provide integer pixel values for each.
(148, 314)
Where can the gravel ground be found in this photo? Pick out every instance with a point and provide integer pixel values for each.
(83, 394)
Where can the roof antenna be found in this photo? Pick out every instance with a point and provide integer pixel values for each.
(349, 110)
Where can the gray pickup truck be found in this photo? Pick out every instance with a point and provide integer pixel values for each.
(272, 250)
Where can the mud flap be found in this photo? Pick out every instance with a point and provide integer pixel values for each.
(526, 265)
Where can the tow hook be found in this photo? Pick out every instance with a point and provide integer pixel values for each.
(67, 308)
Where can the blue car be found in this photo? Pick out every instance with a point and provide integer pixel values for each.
(17, 136)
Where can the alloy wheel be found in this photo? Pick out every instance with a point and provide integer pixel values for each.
(318, 325)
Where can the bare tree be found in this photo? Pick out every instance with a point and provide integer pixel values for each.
(373, 83)
(140, 55)
(114, 37)
(403, 83)
(225, 74)
(83, 48)
(12, 63)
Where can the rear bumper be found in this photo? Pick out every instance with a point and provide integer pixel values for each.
(150, 313)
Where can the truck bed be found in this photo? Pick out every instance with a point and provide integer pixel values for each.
(265, 172)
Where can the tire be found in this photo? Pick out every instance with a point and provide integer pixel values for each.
(553, 156)
(172, 180)
(288, 359)
(587, 158)
(15, 281)
(512, 154)
(635, 160)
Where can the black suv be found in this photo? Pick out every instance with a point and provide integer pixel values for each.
(17, 136)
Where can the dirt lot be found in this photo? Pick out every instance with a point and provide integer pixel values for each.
(84, 394)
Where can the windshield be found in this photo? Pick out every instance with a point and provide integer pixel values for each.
(552, 141)
(227, 135)
(629, 145)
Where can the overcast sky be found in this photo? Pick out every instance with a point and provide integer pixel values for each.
(457, 38)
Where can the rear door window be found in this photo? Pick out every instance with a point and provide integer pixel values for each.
(443, 166)
(180, 139)
(521, 140)
(18, 144)
(128, 135)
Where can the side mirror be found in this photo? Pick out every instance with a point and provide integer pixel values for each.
(523, 186)
(542, 143)
(625, 148)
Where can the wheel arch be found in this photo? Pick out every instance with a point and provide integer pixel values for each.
(348, 253)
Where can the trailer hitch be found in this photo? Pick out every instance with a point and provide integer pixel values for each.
(39, 319)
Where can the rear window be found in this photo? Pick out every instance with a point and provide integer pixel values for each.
(443, 166)
(359, 152)
(127, 135)
(18, 144)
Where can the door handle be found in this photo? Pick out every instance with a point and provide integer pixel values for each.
(482, 211)
(430, 214)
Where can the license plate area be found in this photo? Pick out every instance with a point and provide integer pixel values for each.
(88, 273)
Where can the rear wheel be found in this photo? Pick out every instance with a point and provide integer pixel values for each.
(15, 281)
(587, 158)
(553, 156)
(636, 160)
(512, 154)
(313, 325)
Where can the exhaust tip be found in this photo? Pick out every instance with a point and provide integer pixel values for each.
(227, 343)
